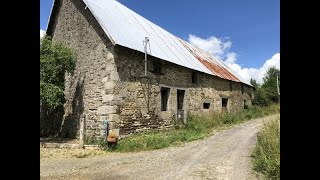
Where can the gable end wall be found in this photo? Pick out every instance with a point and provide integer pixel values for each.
(89, 90)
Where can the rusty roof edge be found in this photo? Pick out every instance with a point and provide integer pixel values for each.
(237, 75)
(220, 62)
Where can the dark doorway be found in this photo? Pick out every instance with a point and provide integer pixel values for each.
(245, 106)
(180, 108)
(164, 98)
(180, 94)
(224, 104)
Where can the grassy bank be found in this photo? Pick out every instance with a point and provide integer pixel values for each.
(266, 155)
(197, 127)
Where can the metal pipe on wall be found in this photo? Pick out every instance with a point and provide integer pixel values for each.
(145, 55)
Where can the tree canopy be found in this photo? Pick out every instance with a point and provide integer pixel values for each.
(55, 60)
(270, 84)
(268, 91)
(254, 83)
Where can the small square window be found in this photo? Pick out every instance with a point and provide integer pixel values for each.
(206, 105)
(156, 67)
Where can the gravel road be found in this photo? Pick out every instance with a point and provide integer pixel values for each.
(225, 155)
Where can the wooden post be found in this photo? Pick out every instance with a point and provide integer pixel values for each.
(82, 130)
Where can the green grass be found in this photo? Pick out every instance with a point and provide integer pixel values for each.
(266, 155)
(197, 127)
(93, 141)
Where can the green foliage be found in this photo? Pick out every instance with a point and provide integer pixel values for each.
(197, 127)
(267, 152)
(267, 93)
(261, 97)
(270, 84)
(51, 94)
(254, 83)
(90, 141)
(55, 60)
(95, 141)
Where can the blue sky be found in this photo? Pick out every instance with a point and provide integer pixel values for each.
(243, 33)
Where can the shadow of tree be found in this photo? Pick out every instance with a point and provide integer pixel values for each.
(71, 123)
(50, 120)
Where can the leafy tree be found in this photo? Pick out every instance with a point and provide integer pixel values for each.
(270, 84)
(254, 83)
(261, 97)
(55, 60)
(267, 92)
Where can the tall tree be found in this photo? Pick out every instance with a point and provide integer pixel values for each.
(254, 83)
(55, 60)
(270, 84)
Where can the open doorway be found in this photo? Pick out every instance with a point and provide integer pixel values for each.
(180, 105)
(224, 105)
(164, 98)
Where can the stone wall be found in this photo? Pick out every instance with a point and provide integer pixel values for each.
(88, 89)
(107, 84)
(140, 106)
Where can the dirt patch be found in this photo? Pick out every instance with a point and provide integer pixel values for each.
(55, 153)
(59, 140)
(225, 155)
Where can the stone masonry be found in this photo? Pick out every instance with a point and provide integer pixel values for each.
(132, 92)
(88, 90)
(107, 84)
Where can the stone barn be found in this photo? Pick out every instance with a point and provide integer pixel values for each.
(134, 75)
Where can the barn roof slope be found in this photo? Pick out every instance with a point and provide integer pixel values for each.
(127, 28)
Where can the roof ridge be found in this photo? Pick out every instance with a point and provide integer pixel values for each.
(127, 28)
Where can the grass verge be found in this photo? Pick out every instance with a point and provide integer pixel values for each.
(197, 127)
(266, 155)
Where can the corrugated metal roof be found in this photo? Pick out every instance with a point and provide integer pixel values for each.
(127, 28)
(208, 60)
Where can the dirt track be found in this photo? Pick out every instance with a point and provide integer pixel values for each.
(226, 155)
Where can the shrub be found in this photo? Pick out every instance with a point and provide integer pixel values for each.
(261, 98)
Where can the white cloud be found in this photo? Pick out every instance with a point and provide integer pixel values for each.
(213, 45)
(254, 73)
(42, 33)
(219, 47)
(231, 57)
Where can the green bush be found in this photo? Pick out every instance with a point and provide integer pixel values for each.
(261, 98)
(89, 140)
